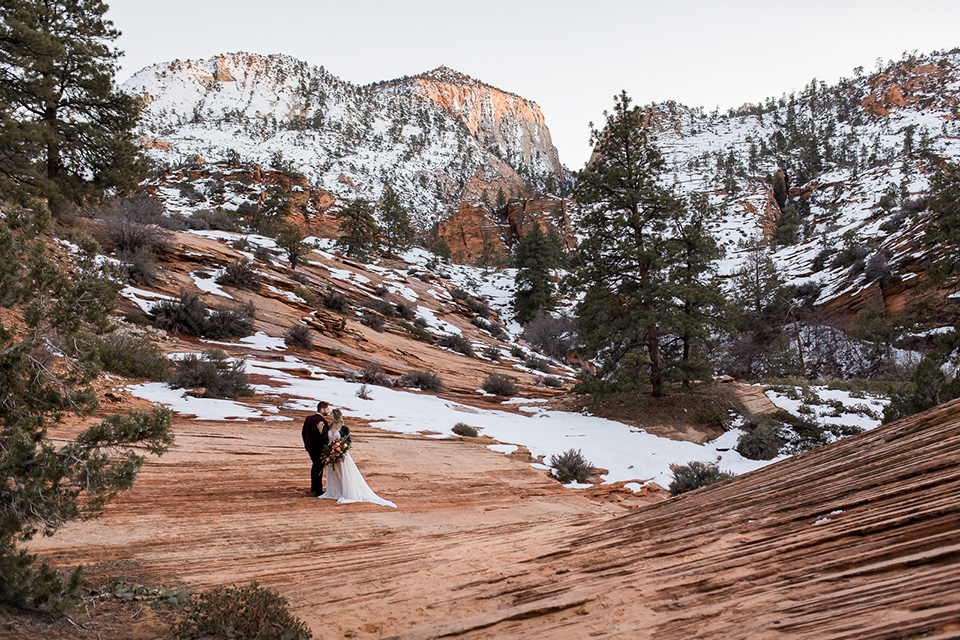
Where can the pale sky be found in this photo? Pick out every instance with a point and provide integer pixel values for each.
(570, 57)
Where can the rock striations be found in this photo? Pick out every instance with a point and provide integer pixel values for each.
(860, 539)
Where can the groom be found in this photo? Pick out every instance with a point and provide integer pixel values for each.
(316, 435)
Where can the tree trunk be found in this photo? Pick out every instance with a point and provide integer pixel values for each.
(656, 375)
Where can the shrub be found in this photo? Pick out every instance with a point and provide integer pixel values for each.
(373, 373)
(465, 430)
(212, 372)
(139, 266)
(382, 290)
(405, 311)
(335, 301)
(499, 385)
(420, 334)
(253, 612)
(264, 254)
(760, 443)
(130, 356)
(372, 319)
(240, 244)
(552, 382)
(420, 322)
(382, 307)
(712, 416)
(424, 380)
(241, 274)
(457, 343)
(538, 364)
(227, 322)
(363, 392)
(186, 314)
(214, 219)
(491, 352)
(128, 236)
(571, 466)
(518, 353)
(553, 336)
(687, 477)
(298, 335)
(300, 278)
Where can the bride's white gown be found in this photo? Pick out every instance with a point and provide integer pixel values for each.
(345, 483)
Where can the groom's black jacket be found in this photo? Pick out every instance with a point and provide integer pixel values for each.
(316, 434)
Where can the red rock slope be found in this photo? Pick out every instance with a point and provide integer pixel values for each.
(856, 540)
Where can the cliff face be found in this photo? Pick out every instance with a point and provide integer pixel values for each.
(476, 229)
(499, 120)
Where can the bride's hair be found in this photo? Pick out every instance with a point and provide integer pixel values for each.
(337, 416)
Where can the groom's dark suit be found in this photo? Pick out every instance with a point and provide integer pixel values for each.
(316, 435)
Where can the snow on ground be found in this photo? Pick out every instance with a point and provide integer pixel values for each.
(207, 282)
(143, 298)
(832, 406)
(628, 453)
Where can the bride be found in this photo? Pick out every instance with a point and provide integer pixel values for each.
(345, 483)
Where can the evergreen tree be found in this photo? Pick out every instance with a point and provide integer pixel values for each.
(621, 262)
(395, 227)
(942, 232)
(290, 239)
(358, 230)
(697, 292)
(65, 130)
(44, 484)
(535, 259)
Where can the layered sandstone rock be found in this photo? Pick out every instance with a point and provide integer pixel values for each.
(504, 121)
(476, 229)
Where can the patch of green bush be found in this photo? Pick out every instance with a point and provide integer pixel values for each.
(571, 466)
(185, 314)
(760, 442)
(455, 342)
(693, 475)
(129, 356)
(499, 385)
(298, 335)
(465, 430)
(251, 612)
(418, 332)
(423, 380)
(241, 274)
(226, 322)
(214, 373)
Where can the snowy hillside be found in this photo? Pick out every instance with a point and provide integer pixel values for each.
(347, 140)
(856, 159)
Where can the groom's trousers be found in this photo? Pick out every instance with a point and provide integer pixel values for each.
(316, 474)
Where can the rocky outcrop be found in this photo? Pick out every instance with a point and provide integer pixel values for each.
(476, 229)
(511, 125)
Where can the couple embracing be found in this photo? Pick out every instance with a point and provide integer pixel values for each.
(327, 439)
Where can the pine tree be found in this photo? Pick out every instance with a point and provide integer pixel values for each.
(620, 264)
(942, 232)
(698, 294)
(535, 259)
(65, 130)
(395, 227)
(43, 483)
(358, 230)
(290, 239)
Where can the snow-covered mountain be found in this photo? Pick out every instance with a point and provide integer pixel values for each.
(856, 159)
(346, 139)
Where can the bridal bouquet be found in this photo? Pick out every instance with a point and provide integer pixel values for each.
(336, 450)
